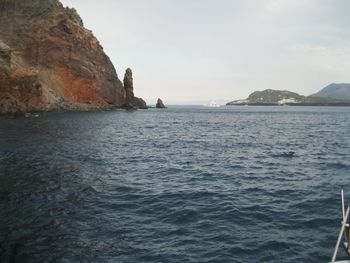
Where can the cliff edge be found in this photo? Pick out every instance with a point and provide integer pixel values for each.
(49, 61)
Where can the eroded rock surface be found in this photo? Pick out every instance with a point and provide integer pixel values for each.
(49, 61)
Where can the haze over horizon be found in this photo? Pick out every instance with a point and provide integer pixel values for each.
(192, 51)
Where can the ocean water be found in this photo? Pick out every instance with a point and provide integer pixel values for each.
(185, 184)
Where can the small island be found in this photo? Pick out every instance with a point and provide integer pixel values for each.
(270, 97)
(160, 104)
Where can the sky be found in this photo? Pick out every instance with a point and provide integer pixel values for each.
(197, 51)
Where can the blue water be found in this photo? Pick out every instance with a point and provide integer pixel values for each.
(185, 184)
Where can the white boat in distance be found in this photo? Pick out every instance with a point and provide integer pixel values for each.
(212, 104)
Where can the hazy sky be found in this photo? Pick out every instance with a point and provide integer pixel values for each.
(202, 50)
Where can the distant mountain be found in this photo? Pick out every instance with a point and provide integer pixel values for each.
(284, 97)
(335, 91)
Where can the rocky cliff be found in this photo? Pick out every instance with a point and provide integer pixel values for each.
(49, 61)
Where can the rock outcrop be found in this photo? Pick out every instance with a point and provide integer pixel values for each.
(5, 55)
(160, 104)
(132, 101)
(49, 61)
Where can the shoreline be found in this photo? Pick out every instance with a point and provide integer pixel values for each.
(294, 104)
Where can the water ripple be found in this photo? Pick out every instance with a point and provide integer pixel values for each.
(240, 184)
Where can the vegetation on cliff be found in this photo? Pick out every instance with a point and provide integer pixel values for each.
(272, 96)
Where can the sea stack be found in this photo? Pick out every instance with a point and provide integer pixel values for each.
(129, 84)
(49, 61)
(160, 104)
(132, 102)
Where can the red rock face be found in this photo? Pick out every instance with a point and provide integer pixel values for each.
(72, 68)
(79, 89)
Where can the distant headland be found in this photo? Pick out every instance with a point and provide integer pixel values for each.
(50, 62)
(332, 95)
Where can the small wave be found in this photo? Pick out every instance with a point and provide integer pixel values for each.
(289, 154)
(32, 115)
(338, 165)
(223, 187)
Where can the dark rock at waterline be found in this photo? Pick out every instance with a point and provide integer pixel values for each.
(132, 102)
(129, 84)
(160, 104)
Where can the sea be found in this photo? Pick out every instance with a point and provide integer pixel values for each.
(182, 184)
